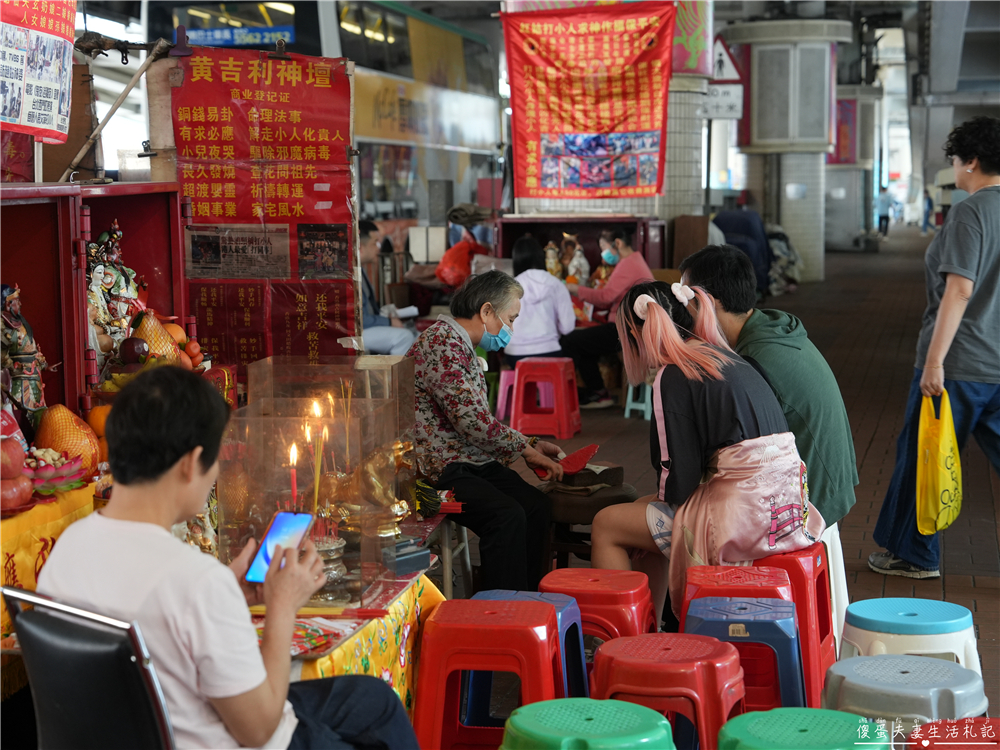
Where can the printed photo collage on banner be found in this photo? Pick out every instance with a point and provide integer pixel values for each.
(36, 67)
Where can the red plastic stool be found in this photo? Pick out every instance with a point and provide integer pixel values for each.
(561, 420)
(740, 582)
(810, 576)
(472, 634)
(957, 734)
(693, 675)
(613, 603)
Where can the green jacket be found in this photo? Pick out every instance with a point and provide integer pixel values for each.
(810, 398)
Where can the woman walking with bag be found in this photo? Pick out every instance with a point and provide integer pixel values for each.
(959, 345)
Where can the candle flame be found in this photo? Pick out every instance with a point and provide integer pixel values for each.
(308, 435)
(316, 410)
(326, 435)
(293, 454)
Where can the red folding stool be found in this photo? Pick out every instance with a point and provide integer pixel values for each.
(471, 634)
(693, 675)
(562, 420)
(613, 603)
(809, 573)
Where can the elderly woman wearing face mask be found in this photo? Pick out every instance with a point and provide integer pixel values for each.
(462, 447)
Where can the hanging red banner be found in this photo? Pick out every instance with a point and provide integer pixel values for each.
(36, 67)
(263, 152)
(590, 99)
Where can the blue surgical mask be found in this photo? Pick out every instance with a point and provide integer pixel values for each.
(494, 342)
(609, 256)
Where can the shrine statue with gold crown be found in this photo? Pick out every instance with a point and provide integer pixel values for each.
(20, 354)
(112, 286)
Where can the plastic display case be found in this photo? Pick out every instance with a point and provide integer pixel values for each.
(329, 455)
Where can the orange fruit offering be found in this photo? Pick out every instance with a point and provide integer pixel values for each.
(192, 348)
(176, 331)
(64, 432)
(98, 417)
(161, 342)
(186, 362)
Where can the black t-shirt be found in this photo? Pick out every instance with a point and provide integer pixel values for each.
(703, 416)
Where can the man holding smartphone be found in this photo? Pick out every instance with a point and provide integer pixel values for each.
(222, 690)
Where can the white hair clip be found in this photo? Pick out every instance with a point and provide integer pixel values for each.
(682, 292)
(641, 305)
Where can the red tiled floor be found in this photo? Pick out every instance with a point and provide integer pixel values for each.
(865, 318)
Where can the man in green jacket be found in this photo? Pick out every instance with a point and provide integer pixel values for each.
(776, 343)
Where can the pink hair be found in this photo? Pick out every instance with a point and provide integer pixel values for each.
(661, 343)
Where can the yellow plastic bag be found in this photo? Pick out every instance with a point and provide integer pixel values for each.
(939, 469)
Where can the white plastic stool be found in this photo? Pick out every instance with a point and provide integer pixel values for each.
(839, 598)
(546, 397)
(645, 405)
(918, 627)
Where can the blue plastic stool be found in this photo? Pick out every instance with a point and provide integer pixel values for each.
(770, 622)
(645, 405)
(479, 685)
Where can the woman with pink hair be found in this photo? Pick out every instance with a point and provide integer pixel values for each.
(732, 488)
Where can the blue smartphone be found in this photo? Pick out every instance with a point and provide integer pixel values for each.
(286, 529)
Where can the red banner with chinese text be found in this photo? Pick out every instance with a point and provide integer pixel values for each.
(36, 67)
(590, 101)
(263, 152)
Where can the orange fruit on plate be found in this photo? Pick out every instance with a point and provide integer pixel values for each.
(186, 362)
(64, 432)
(176, 331)
(98, 417)
(103, 442)
(192, 348)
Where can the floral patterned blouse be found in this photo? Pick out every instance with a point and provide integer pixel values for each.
(454, 421)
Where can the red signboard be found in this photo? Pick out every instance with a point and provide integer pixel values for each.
(589, 97)
(36, 67)
(17, 157)
(847, 133)
(263, 152)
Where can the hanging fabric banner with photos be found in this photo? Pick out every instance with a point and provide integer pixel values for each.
(36, 67)
(589, 97)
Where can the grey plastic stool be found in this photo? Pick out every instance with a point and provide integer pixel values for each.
(910, 687)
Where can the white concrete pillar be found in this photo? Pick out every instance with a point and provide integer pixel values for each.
(803, 203)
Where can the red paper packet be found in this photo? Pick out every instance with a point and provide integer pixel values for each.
(575, 462)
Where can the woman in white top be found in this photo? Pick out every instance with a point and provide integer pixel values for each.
(546, 309)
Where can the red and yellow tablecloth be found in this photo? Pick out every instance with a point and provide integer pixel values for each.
(384, 647)
(26, 541)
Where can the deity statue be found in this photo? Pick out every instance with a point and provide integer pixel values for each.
(21, 356)
(579, 266)
(112, 285)
(567, 248)
(552, 264)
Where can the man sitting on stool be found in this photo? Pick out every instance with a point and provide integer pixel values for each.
(381, 335)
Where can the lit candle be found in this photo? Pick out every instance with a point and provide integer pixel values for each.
(293, 458)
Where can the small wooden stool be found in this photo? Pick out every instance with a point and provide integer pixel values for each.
(569, 508)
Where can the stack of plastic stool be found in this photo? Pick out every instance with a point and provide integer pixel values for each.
(585, 723)
(809, 573)
(571, 681)
(562, 419)
(908, 687)
(736, 581)
(957, 734)
(762, 623)
(800, 728)
(465, 634)
(645, 406)
(919, 627)
(545, 398)
(695, 676)
(613, 603)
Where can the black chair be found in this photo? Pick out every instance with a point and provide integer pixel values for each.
(91, 679)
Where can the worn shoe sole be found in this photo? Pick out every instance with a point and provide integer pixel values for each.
(905, 573)
(602, 404)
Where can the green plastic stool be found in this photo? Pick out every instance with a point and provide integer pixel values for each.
(801, 729)
(586, 724)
